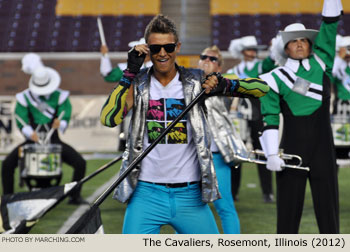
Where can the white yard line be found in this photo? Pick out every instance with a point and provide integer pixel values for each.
(83, 208)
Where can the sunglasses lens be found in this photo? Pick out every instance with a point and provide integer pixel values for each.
(169, 48)
(155, 48)
(211, 58)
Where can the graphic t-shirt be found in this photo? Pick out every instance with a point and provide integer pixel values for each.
(174, 158)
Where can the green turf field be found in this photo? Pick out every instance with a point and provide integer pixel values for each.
(255, 216)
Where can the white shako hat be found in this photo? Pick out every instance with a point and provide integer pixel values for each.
(342, 42)
(250, 42)
(295, 31)
(244, 43)
(44, 81)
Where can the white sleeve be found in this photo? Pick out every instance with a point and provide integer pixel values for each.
(21, 99)
(123, 66)
(336, 66)
(332, 8)
(63, 126)
(269, 142)
(105, 65)
(270, 80)
(27, 131)
(263, 147)
(64, 94)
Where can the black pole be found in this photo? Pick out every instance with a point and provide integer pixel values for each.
(101, 169)
(137, 160)
(83, 180)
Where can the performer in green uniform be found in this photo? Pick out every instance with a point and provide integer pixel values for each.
(301, 92)
(37, 111)
(246, 48)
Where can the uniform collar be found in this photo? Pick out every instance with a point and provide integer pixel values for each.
(294, 64)
(46, 97)
(250, 64)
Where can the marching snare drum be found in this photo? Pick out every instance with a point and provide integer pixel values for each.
(41, 164)
(341, 130)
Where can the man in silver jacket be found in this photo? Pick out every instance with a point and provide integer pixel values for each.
(176, 179)
(134, 148)
(223, 144)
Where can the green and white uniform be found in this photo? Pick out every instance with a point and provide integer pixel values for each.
(33, 110)
(253, 68)
(250, 110)
(300, 90)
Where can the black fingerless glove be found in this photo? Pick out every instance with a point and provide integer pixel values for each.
(225, 86)
(219, 77)
(217, 74)
(135, 61)
(219, 88)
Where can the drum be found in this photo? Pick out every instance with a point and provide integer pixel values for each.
(241, 125)
(341, 136)
(341, 130)
(41, 165)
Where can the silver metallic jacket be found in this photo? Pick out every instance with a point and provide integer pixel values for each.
(222, 129)
(191, 80)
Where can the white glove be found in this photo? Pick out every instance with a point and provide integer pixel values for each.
(63, 126)
(269, 142)
(105, 65)
(274, 163)
(27, 131)
(332, 8)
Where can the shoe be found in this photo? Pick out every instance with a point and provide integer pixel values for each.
(268, 198)
(77, 201)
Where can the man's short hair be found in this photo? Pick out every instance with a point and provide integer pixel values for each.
(216, 50)
(161, 24)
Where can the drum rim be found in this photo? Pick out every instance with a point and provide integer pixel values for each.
(43, 148)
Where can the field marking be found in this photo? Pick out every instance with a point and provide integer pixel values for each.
(83, 208)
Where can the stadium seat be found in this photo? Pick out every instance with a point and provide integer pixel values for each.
(23, 18)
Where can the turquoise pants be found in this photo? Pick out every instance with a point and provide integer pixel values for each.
(225, 206)
(152, 206)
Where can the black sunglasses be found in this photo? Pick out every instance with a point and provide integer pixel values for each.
(211, 58)
(169, 48)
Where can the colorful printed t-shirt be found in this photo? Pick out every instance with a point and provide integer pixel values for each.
(174, 159)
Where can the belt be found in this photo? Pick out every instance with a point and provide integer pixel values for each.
(173, 185)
